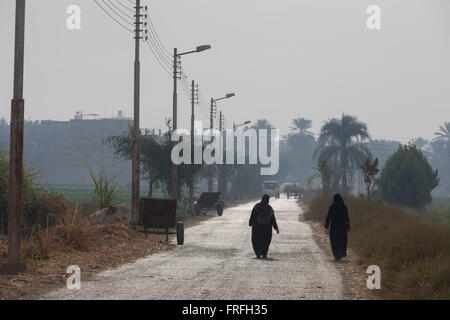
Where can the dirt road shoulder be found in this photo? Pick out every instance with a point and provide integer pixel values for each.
(351, 267)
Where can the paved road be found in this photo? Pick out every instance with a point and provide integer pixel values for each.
(217, 262)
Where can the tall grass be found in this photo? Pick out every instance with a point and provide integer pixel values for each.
(413, 254)
(72, 231)
(38, 245)
(105, 191)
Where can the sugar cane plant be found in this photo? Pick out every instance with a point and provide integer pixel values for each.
(106, 190)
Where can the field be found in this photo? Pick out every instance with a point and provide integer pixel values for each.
(411, 248)
(82, 194)
(438, 212)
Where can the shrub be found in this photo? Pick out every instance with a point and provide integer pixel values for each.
(407, 178)
(44, 209)
(30, 176)
(38, 245)
(73, 230)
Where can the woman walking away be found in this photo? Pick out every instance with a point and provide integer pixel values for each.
(340, 225)
(262, 220)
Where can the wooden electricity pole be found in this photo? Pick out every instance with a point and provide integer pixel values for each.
(14, 263)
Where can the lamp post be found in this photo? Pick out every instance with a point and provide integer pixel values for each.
(235, 126)
(211, 126)
(176, 57)
(233, 174)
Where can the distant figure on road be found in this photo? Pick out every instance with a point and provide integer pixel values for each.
(262, 220)
(340, 225)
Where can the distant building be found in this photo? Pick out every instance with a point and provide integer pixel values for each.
(64, 151)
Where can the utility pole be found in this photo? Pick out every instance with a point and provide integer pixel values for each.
(136, 130)
(193, 102)
(220, 166)
(211, 126)
(176, 77)
(14, 264)
(174, 174)
(191, 182)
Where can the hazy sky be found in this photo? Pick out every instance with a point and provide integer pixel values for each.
(283, 58)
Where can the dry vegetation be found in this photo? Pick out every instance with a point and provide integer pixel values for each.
(72, 241)
(414, 255)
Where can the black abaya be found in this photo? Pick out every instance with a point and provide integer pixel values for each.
(262, 220)
(340, 223)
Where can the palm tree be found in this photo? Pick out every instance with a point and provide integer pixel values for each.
(301, 126)
(441, 143)
(262, 124)
(442, 139)
(422, 145)
(254, 178)
(340, 144)
(301, 143)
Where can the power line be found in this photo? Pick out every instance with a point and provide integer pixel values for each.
(113, 17)
(157, 40)
(152, 26)
(132, 11)
(165, 68)
(118, 14)
(120, 10)
(166, 60)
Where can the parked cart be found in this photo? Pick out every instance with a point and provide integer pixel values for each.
(209, 201)
(160, 214)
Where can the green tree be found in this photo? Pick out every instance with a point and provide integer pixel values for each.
(407, 178)
(370, 171)
(155, 158)
(340, 144)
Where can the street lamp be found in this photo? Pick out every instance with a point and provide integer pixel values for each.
(235, 126)
(233, 175)
(211, 126)
(176, 57)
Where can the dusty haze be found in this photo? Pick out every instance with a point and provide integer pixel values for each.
(284, 59)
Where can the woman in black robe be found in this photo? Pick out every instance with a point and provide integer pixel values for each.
(340, 225)
(262, 220)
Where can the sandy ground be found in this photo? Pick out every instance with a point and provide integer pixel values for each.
(351, 268)
(217, 262)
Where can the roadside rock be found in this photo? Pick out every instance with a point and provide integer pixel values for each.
(112, 214)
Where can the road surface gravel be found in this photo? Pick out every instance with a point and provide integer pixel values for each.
(217, 262)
